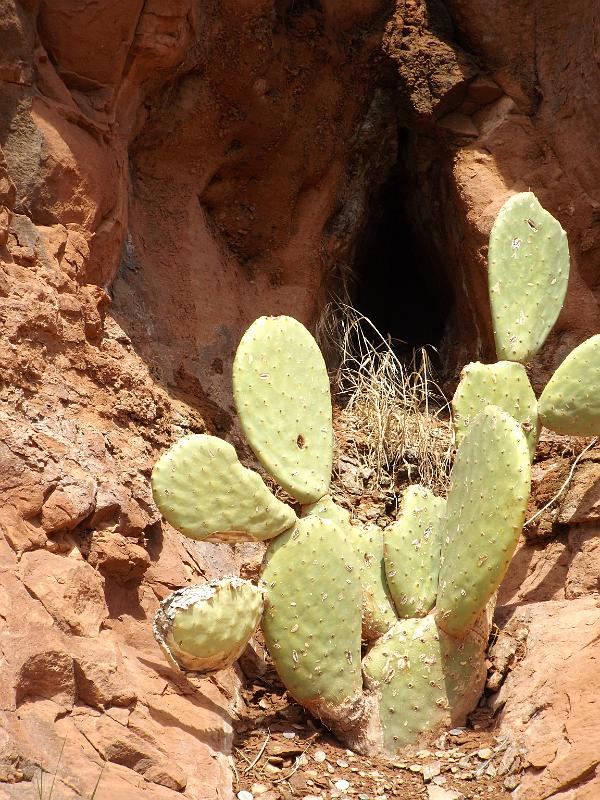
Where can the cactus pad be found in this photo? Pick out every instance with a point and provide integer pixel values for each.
(528, 274)
(326, 508)
(424, 679)
(412, 552)
(378, 614)
(570, 403)
(311, 624)
(281, 392)
(485, 511)
(505, 385)
(366, 548)
(202, 489)
(206, 628)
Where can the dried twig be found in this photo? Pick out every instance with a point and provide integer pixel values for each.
(243, 755)
(565, 484)
(259, 755)
(297, 762)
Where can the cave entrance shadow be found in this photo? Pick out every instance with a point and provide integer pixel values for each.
(396, 281)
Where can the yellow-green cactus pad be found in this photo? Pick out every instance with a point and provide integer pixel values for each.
(424, 679)
(412, 552)
(366, 543)
(281, 392)
(528, 273)
(326, 508)
(312, 617)
(202, 489)
(570, 403)
(378, 614)
(485, 512)
(206, 628)
(505, 385)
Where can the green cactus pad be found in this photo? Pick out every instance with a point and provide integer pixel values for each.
(326, 508)
(281, 392)
(206, 628)
(505, 385)
(202, 489)
(570, 403)
(528, 274)
(485, 511)
(412, 552)
(424, 679)
(312, 620)
(378, 614)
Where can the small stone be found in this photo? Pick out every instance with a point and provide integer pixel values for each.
(330, 769)
(439, 780)
(289, 735)
(363, 797)
(512, 782)
(459, 124)
(423, 754)
(415, 767)
(484, 753)
(491, 771)
(437, 793)
(457, 731)
(272, 768)
(258, 788)
(341, 785)
(320, 756)
(245, 795)
(431, 769)
(341, 763)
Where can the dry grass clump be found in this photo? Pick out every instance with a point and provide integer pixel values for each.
(394, 424)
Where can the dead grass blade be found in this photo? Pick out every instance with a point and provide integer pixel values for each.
(395, 420)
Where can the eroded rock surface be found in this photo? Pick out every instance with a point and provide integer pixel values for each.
(512, 108)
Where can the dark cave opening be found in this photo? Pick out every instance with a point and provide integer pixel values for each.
(398, 284)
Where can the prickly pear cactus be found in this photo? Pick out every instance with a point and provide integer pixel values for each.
(331, 587)
(528, 271)
(281, 393)
(488, 495)
(202, 489)
(311, 625)
(505, 385)
(412, 547)
(570, 403)
(528, 274)
(206, 628)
